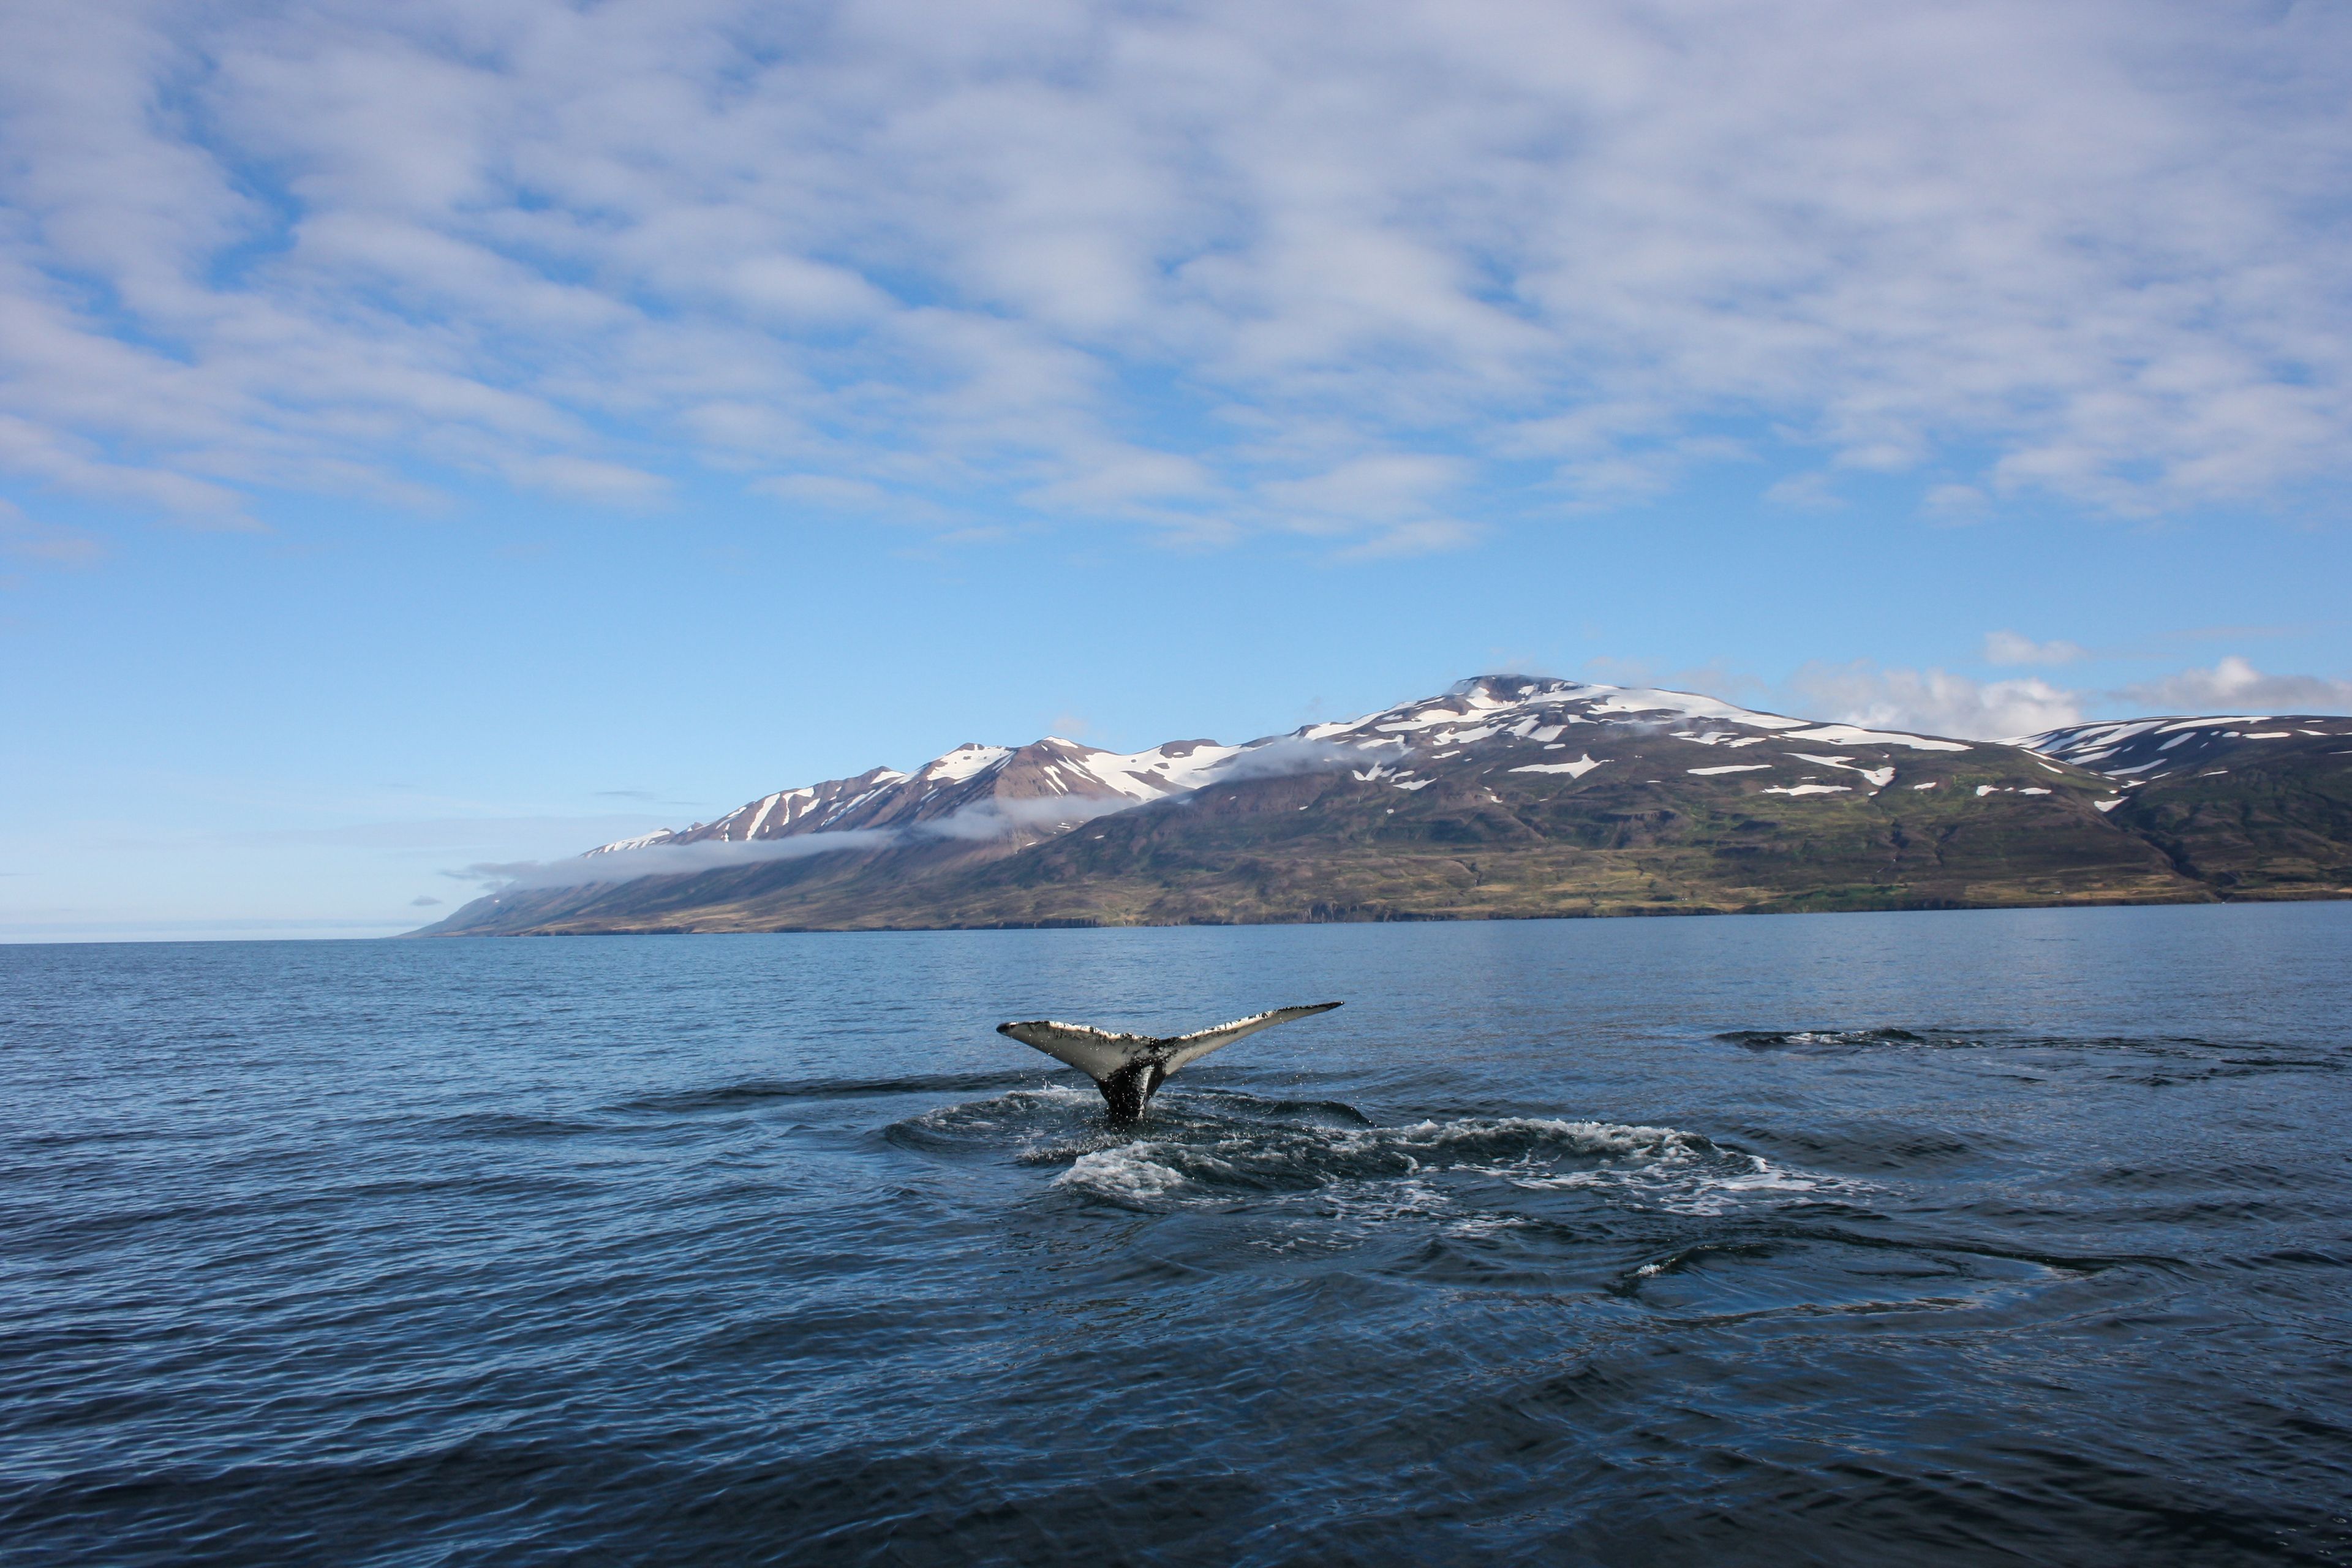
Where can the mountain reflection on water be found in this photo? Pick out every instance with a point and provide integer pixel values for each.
(1924, 1237)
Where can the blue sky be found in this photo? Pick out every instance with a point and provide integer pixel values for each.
(476, 431)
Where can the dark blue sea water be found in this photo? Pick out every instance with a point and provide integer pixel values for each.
(1925, 1238)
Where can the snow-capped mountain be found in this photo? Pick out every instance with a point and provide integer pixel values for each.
(1505, 797)
(1052, 786)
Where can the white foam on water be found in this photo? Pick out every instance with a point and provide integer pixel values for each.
(1377, 1173)
(1129, 1173)
(1679, 1181)
(1477, 1227)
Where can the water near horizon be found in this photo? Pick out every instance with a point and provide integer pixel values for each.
(1928, 1238)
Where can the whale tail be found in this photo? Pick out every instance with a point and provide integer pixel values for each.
(1129, 1068)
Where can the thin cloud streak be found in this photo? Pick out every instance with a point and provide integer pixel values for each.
(47, 543)
(666, 860)
(2013, 648)
(987, 821)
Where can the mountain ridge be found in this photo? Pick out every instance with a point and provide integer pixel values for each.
(1507, 809)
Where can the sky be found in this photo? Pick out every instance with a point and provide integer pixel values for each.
(470, 432)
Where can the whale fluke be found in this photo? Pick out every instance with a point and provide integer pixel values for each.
(1129, 1068)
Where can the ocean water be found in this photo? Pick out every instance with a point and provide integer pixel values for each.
(1926, 1238)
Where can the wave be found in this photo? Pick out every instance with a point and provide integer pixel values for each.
(1784, 1039)
(2201, 1059)
(1021, 1117)
(493, 1124)
(752, 1091)
(1222, 1145)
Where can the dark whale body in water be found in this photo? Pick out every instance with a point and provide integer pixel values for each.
(1129, 1068)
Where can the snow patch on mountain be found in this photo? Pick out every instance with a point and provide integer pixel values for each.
(1575, 770)
(1851, 735)
(962, 763)
(2125, 748)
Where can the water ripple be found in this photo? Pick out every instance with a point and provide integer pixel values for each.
(1830, 1239)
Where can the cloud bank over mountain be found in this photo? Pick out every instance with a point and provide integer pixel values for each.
(1949, 704)
(1212, 268)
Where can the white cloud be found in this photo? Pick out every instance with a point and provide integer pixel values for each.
(1946, 704)
(1423, 536)
(666, 860)
(980, 823)
(1193, 267)
(1932, 700)
(588, 479)
(1388, 485)
(2014, 647)
(2236, 686)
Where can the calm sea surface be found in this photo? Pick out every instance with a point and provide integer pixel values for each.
(1863, 1239)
